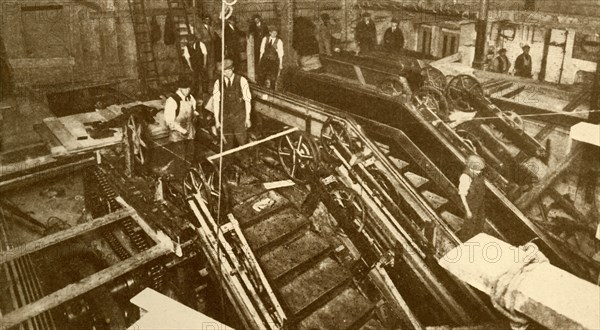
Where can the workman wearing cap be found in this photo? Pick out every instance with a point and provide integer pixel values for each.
(471, 189)
(271, 58)
(365, 33)
(523, 64)
(393, 38)
(236, 106)
(500, 63)
(179, 115)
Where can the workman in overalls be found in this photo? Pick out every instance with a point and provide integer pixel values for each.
(236, 106)
(471, 189)
(271, 58)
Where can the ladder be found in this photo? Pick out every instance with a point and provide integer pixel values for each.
(179, 14)
(148, 70)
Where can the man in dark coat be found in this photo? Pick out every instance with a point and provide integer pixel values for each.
(500, 63)
(233, 47)
(471, 189)
(523, 64)
(258, 30)
(365, 33)
(393, 39)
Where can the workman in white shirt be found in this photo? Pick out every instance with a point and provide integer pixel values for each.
(471, 189)
(180, 110)
(271, 58)
(236, 106)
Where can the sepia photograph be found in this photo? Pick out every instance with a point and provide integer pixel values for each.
(299, 164)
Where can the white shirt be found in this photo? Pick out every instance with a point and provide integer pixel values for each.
(186, 52)
(278, 47)
(464, 184)
(183, 122)
(246, 95)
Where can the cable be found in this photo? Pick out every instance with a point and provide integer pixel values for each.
(221, 109)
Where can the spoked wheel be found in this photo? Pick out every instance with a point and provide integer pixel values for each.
(334, 133)
(433, 77)
(470, 140)
(350, 201)
(432, 99)
(297, 154)
(392, 87)
(385, 183)
(462, 91)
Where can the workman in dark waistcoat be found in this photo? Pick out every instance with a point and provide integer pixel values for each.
(179, 113)
(271, 58)
(236, 106)
(471, 189)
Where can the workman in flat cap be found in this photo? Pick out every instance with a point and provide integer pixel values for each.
(523, 64)
(471, 189)
(393, 39)
(365, 33)
(271, 57)
(236, 105)
(179, 113)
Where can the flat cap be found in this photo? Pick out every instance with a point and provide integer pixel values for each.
(227, 64)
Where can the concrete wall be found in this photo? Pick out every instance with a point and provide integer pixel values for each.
(92, 43)
(531, 27)
(534, 33)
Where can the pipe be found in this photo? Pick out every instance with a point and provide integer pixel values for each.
(481, 29)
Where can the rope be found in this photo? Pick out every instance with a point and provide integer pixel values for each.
(504, 290)
(224, 7)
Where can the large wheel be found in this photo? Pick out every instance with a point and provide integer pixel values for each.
(334, 133)
(433, 77)
(472, 141)
(432, 99)
(350, 201)
(392, 87)
(298, 154)
(462, 91)
(385, 184)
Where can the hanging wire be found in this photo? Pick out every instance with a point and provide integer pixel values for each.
(224, 6)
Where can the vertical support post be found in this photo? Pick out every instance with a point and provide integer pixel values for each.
(594, 117)
(481, 28)
(127, 151)
(287, 31)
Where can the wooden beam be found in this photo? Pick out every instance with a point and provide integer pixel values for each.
(138, 219)
(252, 144)
(537, 190)
(85, 285)
(543, 292)
(42, 174)
(62, 236)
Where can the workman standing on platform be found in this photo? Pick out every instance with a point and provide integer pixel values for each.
(236, 106)
(471, 189)
(393, 38)
(365, 33)
(523, 63)
(500, 63)
(271, 58)
(179, 115)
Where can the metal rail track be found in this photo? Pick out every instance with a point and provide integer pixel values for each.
(101, 200)
(503, 215)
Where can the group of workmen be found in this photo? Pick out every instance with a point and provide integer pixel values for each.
(204, 46)
(365, 35)
(501, 64)
(232, 118)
